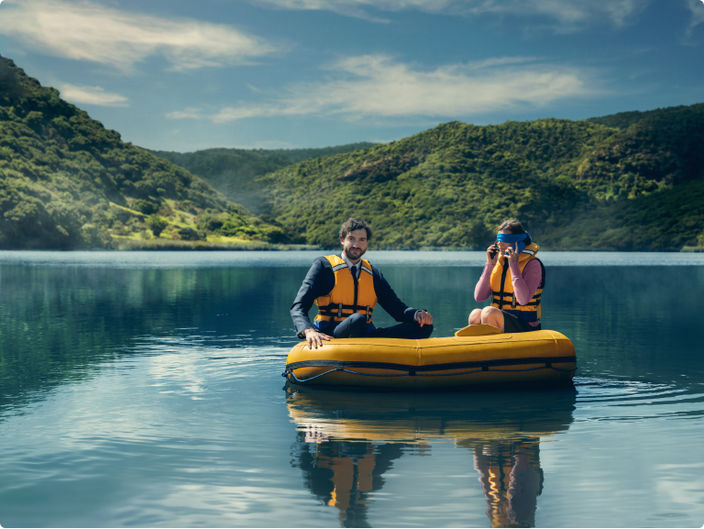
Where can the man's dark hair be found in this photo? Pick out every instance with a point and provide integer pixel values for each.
(352, 224)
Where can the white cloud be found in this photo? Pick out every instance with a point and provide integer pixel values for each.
(567, 13)
(384, 88)
(186, 113)
(92, 95)
(92, 32)
(228, 114)
(372, 86)
(696, 8)
(359, 8)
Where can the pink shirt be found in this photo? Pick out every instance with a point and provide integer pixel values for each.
(524, 286)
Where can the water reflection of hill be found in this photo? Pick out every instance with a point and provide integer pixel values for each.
(347, 441)
(630, 322)
(58, 323)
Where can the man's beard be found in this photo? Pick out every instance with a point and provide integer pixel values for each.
(358, 250)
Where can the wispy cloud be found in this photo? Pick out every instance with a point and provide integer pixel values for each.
(359, 8)
(568, 14)
(186, 113)
(696, 7)
(377, 86)
(92, 32)
(92, 95)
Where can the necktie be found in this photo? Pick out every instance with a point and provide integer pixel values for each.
(355, 271)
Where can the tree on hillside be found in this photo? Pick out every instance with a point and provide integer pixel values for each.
(157, 224)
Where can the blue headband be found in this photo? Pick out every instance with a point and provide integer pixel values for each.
(513, 238)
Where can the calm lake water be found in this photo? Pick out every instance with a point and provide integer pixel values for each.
(145, 389)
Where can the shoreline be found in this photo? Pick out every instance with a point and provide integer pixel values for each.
(202, 246)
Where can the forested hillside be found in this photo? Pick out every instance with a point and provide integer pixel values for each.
(67, 182)
(631, 181)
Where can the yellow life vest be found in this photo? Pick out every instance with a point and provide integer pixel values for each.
(503, 297)
(348, 295)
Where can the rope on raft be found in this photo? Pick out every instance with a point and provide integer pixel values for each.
(289, 372)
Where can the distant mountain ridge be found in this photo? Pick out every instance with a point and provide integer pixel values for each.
(232, 171)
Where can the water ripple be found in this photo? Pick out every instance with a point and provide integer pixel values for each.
(619, 400)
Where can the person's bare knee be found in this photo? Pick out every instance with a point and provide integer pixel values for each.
(492, 316)
(475, 317)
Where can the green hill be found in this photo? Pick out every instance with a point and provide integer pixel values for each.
(627, 181)
(577, 185)
(67, 182)
(232, 171)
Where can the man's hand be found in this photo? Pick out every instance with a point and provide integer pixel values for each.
(423, 318)
(315, 338)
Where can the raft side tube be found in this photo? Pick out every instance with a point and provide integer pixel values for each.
(534, 357)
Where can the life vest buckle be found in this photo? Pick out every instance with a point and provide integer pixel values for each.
(339, 310)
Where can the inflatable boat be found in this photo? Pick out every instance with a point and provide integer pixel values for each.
(477, 355)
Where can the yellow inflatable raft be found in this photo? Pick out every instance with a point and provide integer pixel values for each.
(475, 356)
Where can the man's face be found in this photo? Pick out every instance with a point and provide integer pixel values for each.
(355, 244)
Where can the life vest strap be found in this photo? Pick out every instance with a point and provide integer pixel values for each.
(510, 299)
(342, 311)
(335, 307)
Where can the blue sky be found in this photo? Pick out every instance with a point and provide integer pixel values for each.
(188, 75)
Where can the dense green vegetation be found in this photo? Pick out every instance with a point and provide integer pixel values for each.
(628, 181)
(67, 182)
(232, 171)
(633, 180)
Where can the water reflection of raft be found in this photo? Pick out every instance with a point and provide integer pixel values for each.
(323, 415)
(538, 358)
(346, 442)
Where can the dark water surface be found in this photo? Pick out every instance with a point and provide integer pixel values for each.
(144, 389)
